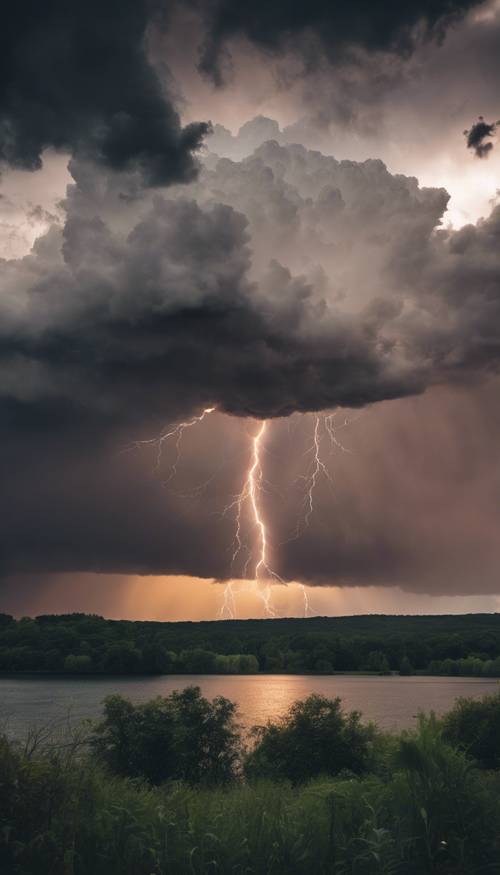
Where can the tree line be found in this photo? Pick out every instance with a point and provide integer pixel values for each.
(466, 645)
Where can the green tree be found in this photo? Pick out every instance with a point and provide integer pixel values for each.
(248, 663)
(323, 666)
(181, 736)
(406, 667)
(79, 664)
(122, 658)
(197, 661)
(157, 659)
(475, 727)
(315, 737)
(377, 661)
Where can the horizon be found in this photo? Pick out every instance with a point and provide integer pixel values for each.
(162, 600)
(260, 619)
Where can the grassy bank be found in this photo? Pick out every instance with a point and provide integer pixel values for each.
(418, 802)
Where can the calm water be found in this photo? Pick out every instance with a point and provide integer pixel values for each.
(392, 702)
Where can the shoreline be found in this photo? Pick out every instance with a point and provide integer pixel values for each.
(37, 675)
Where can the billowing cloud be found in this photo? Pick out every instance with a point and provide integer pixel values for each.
(253, 275)
(285, 282)
(77, 77)
(409, 110)
(318, 25)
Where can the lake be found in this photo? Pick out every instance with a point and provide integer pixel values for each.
(391, 702)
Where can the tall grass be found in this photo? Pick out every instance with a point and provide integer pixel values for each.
(426, 810)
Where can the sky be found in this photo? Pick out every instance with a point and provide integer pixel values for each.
(250, 308)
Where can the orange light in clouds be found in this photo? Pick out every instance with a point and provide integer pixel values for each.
(191, 598)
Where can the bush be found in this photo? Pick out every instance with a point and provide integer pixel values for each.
(315, 737)
(182, 736)
(444, 807)
(475, 727)
(61, 813)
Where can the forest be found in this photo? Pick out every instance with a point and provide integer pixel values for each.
(467, 645)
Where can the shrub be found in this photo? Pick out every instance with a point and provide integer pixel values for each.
(475, 727)
(432, 812)
(315, 737)
(442, 804)
(182, 736)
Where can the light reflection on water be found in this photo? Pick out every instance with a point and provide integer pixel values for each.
(391, 702)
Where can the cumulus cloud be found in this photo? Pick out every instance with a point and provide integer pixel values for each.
(285, 282)
(409, 110)
(77, 77)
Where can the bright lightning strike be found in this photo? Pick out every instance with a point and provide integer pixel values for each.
(250, 495)
(247, 503)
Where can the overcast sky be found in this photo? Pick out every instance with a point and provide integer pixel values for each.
(283, 213)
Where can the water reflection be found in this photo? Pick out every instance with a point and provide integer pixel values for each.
(391, 702)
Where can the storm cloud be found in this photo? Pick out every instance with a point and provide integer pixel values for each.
(287, 282)
(77, 77)
(332, 29)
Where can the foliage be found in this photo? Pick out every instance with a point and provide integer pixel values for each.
(180, 737)
(61, 813)
(474, 725)
(79, 643)
(406, 667)
(315, 737)
(423, 806)
(444, 800)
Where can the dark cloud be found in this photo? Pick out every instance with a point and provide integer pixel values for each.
(286, 282)
(408, 110)
(76, 76)
(478, 137)
(320, 26)
(414, 502)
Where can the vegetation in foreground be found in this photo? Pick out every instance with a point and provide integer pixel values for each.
(167, 787)
(466, 645)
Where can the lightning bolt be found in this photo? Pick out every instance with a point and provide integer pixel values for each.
(250, 495)
(324, 426)
(256, 567)
(176, 431)
(317, 469)
(332, 427)
(251, 491)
